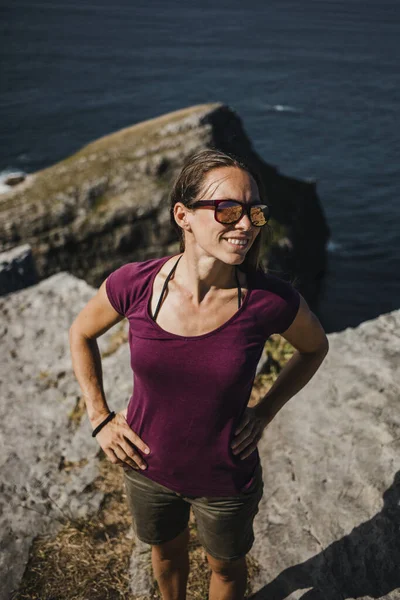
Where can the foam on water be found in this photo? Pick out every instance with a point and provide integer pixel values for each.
(282, 108)
(333, 246)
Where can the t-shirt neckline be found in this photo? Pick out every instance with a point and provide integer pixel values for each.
(192, 337)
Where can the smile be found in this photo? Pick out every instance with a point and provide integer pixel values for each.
(236, 242)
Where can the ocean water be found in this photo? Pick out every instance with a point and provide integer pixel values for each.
(316, 83)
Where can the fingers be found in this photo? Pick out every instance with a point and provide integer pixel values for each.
(123, 460)
(121, 444)
(135, 439)
(248, 450)
(251, 440)
(131, 457)
(247, 432)
(245, 420)
(121, 453)
(112, 457)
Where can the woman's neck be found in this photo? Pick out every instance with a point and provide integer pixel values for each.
(199, 276)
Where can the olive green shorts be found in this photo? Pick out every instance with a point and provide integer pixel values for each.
(224, 524)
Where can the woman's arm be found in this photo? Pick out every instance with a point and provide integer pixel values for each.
(97, 317)
(307, 336)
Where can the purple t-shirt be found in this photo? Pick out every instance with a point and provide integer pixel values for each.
(189, 393)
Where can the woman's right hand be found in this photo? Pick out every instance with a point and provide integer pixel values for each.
(120, 443)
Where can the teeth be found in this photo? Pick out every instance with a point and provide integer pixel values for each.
(237, 242)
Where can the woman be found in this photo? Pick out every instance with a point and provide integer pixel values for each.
(198, 324)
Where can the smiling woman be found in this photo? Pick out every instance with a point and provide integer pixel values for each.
(207, 171)
(198, 324)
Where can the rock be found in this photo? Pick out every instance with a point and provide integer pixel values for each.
(17, 269)
(41, 429)
(14, 178)
(141, 573)
(108, 203)
(329, 520)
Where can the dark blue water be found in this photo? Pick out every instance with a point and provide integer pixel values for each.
(316, 83)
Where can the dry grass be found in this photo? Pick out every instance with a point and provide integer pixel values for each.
(78, 412)
(89, 558)
(278, 352)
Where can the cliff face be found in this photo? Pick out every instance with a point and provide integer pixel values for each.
(108, 203)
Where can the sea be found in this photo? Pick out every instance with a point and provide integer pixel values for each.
(316, 83)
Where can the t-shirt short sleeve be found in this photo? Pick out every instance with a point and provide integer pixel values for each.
(277, 302)
(120, 288)
(288, 305)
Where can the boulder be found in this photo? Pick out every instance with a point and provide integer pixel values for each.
(108, 203)
(14, 178)
(17, 269)
(329, 521)
(49, 460)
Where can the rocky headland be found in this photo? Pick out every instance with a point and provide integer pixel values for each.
(108, 203)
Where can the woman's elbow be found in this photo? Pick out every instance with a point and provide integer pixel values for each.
(325, 347)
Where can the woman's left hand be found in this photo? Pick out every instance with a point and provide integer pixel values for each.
(248, 433)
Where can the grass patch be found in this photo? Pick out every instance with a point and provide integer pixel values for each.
(78, 412)
(278, 352)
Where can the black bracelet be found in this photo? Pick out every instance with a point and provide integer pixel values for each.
(106, 420)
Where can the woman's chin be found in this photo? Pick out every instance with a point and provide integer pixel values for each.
(235, 258)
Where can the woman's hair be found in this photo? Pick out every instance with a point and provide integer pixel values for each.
(188, 186)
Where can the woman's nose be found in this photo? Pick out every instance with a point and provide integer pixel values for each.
(244, 222)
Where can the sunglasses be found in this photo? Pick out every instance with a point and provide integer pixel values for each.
(229, 212)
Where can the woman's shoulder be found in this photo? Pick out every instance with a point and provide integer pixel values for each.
(276, 299)
(139, 268)
(127, 284)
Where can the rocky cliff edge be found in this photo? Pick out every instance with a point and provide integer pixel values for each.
(328, 525)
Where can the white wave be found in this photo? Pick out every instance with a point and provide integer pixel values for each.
(23, 158)
(333, 246)
(282, 108)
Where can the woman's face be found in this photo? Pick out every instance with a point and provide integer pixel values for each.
(216, 239)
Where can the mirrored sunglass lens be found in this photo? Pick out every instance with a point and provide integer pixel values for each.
(228, 212)
(259, 214)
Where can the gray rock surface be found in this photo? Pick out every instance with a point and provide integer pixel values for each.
(329, 520)
(38, 437)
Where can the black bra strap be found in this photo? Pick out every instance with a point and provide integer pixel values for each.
(169, 277)
(165, 287)
(239, 288)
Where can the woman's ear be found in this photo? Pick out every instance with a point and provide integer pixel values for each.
(180, 216)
